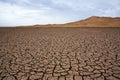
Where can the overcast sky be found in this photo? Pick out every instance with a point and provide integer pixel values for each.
(29, 12)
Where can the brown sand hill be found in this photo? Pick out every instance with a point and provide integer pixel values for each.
(95, 21)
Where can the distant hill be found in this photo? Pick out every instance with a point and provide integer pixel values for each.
(93, 21)
(96, 21)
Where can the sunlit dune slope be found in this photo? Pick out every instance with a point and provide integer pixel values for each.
(93, 21)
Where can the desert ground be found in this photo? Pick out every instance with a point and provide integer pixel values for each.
(59, 53)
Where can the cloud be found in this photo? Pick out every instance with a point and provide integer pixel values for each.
(12, 15)
(28, 12)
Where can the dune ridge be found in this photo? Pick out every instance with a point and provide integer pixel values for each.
(96, 21)
(93, 21)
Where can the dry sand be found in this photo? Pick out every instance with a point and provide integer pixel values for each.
(94, 21)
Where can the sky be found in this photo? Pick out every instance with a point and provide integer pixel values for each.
(31, 12)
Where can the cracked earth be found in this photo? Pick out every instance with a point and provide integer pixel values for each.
(59, 53)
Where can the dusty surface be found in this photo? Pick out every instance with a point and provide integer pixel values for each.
(60, 54)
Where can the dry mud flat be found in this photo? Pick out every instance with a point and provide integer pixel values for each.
(59, 53)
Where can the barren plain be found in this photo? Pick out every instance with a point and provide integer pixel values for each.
(59, 53)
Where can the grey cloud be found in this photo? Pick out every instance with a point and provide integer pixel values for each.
(26, 12)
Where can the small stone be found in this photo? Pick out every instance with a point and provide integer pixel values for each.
(10, 78)
(53, 78)
(61, 78)
(64, 73)
(56, 74)
(78, 77)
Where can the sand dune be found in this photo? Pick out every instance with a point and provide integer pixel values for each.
(93, 21)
